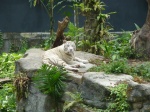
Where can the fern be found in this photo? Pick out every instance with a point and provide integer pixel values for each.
(49, 80)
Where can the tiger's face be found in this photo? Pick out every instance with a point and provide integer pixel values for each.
(69, 47)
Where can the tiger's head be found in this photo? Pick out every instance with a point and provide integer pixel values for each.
(69, 47)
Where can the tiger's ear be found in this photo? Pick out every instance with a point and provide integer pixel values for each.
(64, 41)
(74, 46)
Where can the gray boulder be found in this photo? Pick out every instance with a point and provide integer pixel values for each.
(95, 87)
(37, 101)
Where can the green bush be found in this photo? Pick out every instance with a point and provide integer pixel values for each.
(7, 66)
(118, 47)
(118, 98)
(141, 70)
(49, 79)
(7, 98)
(121, 66)
(117, 66)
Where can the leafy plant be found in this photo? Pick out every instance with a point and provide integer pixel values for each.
(118, 97)
(21, 84)
(117, 66)
(74, 32)
(19, 48)
(49, 79)
(7, 66)
(96, 25)
(48, 42)
(141, 70)
(137, 27)
(7, 98)
(76, 98)
(118, 47)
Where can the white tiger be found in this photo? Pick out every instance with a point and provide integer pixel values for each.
(64, 56)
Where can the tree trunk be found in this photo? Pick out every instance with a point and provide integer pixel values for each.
(51, 17)
(141, 39)
(60, 36)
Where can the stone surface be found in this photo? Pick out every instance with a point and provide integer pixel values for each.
(95, 87)
(30, 63)
(17, 40)
(139, 96)
(37, 101)
(138, 92)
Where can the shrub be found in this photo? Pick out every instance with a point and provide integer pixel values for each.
(7, 98)
(117, 66)
(118, 97)
(49, 79)
(7, 66)
(141, 70)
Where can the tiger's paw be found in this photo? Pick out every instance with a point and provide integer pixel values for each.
(72, 68)
(85, 61)
(82, 65)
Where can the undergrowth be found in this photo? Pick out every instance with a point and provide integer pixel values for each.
(50, 80)
(118, 99)
(121, 66)
(7, 95)
(7, 98)
(7, 66)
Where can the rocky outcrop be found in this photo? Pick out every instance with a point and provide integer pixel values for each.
(37, 101)
(139, 97)
(93, 86)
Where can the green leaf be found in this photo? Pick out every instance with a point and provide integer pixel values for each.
(34, 3)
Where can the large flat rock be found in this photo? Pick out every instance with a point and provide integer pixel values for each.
(32, 61)
(95, 87)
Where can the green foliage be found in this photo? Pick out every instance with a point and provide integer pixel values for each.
(118, 47)
(7, 66)
(7, 98)
(137, 27)
(74, 33)
(19, 48)
(117, 67)
(76, 98)
(49, 42)
(122, 66)
(49, 79)
(119, 99)
(96, 25)
(141, 70)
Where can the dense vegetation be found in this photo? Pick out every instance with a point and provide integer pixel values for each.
(7, 93)
(115, 48)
